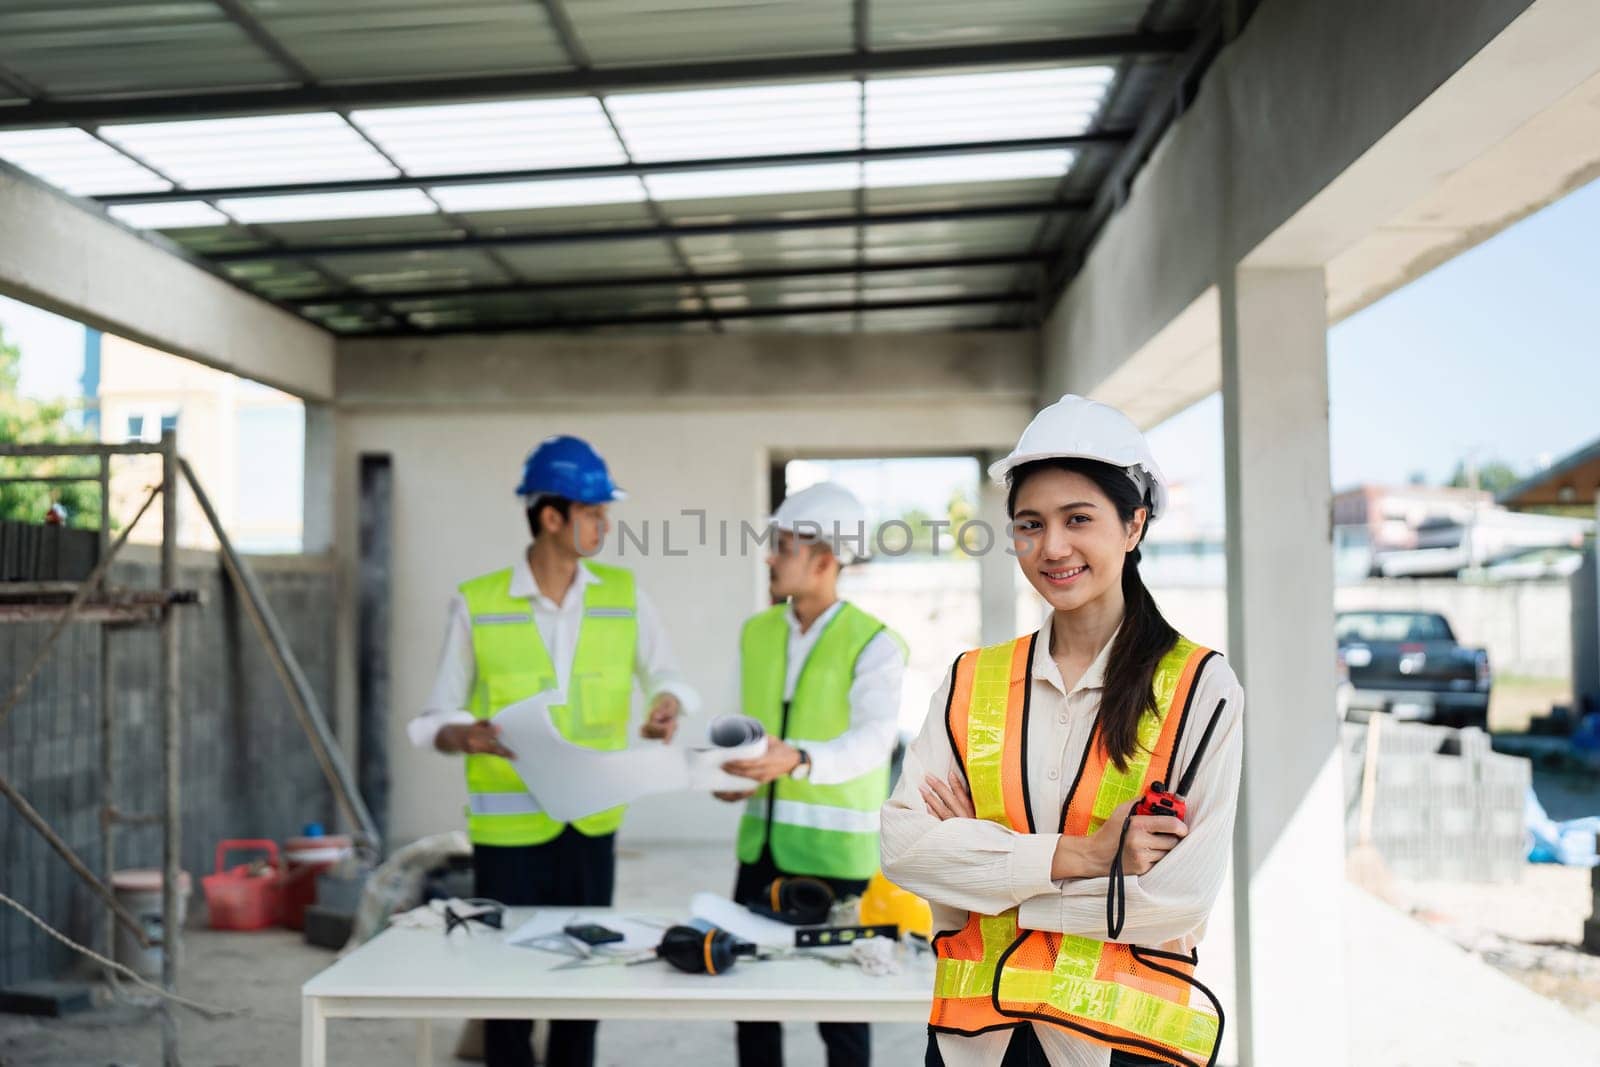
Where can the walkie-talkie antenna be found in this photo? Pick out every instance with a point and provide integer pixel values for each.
(1199, 750)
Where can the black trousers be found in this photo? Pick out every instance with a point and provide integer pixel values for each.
(572, 870)
(761, 1044)
(1025, 1051)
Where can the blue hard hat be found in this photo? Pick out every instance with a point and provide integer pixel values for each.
(567, 467)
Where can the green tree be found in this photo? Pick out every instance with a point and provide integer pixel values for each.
(25, 421)
(1494, 476)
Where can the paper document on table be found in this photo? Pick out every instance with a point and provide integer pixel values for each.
(570, 781)
(546, 925)
(741, 922)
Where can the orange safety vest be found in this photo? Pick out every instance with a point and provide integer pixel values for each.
(993, 975)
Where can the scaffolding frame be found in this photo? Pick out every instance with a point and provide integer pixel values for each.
(91, 600)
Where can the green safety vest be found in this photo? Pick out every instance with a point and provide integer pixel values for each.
(828, 831)
(513, 664)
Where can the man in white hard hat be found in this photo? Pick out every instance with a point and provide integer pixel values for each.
(824, 677)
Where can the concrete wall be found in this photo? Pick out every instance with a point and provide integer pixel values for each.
(247, 769)
(683, 423)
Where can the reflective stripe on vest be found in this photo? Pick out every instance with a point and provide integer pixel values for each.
(991, 974)
(513, 664)
(829, 831)
(816, 816)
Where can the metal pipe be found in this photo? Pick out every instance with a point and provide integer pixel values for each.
(172, 740)
(108, 728)
(301, 697)
(31, 816)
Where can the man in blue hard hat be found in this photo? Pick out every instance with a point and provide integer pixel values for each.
(554, 619)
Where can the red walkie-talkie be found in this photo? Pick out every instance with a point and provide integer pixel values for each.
(1157, 800)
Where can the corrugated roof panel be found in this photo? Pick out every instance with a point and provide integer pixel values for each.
(82, 47)
(415, 270)
(783, 248)
(312, 207)
(256, 150)
(976, 194)
(943, 240)
(356, 39)
(586, 303)
(962, 280)
(512, 196)
(340, 231)
(924, 23)
(229, 238)
(741, 121)
(504, 135)
(787, 292)
(831, 322)
(794, 206)
(931, 320)
(539, 220)
(604, 259)
(77, 163)
(182, 215)
(983, 107)
(712, 185)
(672, 31)
(279, 279)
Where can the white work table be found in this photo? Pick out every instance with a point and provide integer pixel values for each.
(422, 975)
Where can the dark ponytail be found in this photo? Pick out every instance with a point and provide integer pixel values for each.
(1145, 635)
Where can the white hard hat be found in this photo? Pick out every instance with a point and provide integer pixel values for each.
(1075, 427)
(830, 513)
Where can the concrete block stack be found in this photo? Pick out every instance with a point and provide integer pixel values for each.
(1447, 806)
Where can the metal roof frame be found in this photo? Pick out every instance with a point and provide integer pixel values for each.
(1186, 54)
(579, 82)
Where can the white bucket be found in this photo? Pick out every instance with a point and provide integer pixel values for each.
(139, 891)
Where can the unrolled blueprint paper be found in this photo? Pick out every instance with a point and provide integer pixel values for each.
(571, 781)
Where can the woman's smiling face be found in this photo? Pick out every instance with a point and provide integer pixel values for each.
(1070, 541)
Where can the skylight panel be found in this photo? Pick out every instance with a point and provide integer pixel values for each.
(984, 107)
(753, 181)
(512, 196)
(506, 135)
(174, 216)
(747, 121)
(310, 207)
(951, 170)
(259, 150)
(75, 162)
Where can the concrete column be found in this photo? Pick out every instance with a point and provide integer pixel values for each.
(1289, 845)
(317, 517)
(997, 568)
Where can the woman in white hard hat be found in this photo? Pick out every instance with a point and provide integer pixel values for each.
(1068, 922)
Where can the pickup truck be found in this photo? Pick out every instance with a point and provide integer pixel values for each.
(1410, 665)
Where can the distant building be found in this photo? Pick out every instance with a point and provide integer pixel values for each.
(245, 442)
(1392, 516)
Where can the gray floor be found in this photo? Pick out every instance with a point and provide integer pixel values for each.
(1415, 1000)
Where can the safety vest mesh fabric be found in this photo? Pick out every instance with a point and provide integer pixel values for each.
(828, 831)
(514, 664)
(991, 974)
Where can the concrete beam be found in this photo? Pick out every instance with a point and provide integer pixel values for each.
(60, 256)
(1328, 131)
(564, 372)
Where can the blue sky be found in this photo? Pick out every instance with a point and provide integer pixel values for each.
(1496, 353)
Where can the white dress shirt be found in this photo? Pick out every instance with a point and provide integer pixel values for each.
(874, 701)
(654, 664)
(972, 865)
